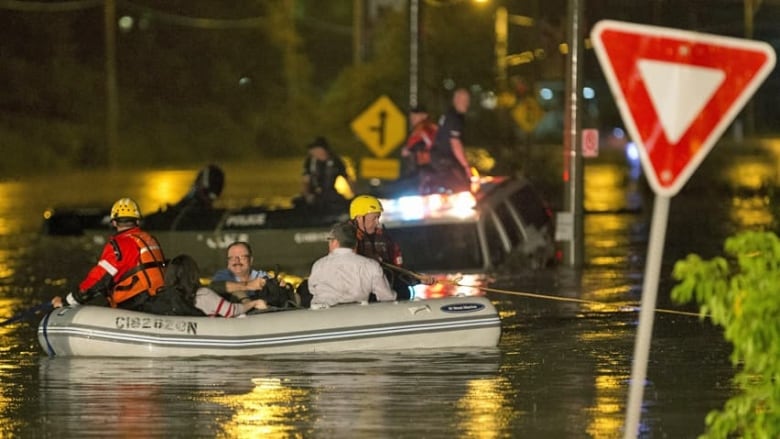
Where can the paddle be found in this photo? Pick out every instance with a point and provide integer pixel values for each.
(27, 313)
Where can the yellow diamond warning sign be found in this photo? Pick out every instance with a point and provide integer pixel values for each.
(528, 113)
(381, 127)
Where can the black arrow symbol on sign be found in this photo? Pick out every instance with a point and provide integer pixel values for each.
(381, 127)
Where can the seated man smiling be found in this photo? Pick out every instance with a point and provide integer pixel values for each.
(243, 283)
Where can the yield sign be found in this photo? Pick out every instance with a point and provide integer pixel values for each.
(677, 91)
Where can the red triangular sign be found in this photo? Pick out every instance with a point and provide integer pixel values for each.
(677, 91)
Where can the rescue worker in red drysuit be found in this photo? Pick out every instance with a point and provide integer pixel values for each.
(417, 150)
(374, 242)
(131, 266)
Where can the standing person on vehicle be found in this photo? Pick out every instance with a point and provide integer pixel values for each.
(321, 169)
(245, 283)
(131, 266)
(416, 152)
(450, 169)
(343, 276)
(374, 241)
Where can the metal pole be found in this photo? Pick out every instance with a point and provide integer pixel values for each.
(644, 333)
(112, 100)
(414, 47)
(573, 176)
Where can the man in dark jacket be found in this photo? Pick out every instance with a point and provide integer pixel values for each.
(450, 171)
(321, 169)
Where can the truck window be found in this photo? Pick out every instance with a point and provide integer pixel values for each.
(440, 247)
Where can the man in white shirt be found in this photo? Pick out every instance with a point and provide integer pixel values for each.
(344, 276)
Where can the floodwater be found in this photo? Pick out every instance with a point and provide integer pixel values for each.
(561, 370)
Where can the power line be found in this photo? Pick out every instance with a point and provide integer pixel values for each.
(33, 6)
(159, 16)
(196, 22)
(145, 11)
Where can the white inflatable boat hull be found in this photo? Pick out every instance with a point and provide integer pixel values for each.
(454, 322)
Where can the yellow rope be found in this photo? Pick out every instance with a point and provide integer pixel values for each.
(572, 299)
(421, 277)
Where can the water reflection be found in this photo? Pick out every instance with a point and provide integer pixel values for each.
(9, 192)
(268, 410)
(337, 396)
(487, 408)
(750, 203)
(611, 187)
(606, 414)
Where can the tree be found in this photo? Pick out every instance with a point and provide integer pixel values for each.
(741, 293)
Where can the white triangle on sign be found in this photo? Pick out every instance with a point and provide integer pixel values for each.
(678, 92)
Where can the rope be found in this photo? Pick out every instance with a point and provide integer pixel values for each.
(456, 283)
(572, 299)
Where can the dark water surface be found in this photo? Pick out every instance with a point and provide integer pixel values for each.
(561, 370)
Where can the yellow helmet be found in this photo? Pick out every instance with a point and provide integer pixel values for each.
(364, 204)
(125, 208)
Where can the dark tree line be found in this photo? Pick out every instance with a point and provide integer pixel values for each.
(199, 81)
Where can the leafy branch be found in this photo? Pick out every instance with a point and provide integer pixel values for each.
(741, 293)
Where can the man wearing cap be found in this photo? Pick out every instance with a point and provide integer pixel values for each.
(130, 269)
(321, 169)
(343, 276)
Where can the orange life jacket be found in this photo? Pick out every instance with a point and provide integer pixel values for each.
(147, 276)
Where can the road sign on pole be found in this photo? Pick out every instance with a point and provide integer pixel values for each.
(677, 92)
(381, 127)
(528, 113)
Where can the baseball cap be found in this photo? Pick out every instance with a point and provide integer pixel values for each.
(344, 233)
(320, 142)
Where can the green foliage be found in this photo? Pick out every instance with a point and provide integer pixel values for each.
(194, 93)
(741, 293)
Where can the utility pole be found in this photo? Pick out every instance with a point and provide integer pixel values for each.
(358, 31)
(573, 162)
(112, 95)
(502, 33)
(414, 53)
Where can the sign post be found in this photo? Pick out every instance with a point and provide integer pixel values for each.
(677, 91)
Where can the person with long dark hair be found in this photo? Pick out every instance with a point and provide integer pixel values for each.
(183, 276)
